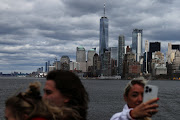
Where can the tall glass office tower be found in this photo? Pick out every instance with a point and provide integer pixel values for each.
(103, 43)
(121, 53)
(137, 43)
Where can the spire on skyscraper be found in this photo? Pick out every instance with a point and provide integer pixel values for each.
(104, 9)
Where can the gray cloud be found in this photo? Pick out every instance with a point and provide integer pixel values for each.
(33, 32)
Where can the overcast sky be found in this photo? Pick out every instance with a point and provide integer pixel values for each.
(35, 31)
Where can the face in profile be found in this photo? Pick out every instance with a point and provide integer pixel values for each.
(9, 115)
(135, 96)
(53, 95)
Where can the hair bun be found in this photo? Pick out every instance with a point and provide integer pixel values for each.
(34, 90)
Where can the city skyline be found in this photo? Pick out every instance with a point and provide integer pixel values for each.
(33, 32)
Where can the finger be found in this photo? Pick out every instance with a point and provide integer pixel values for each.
(152, 106)
(152, 112)
(152, 101)
(148, 115)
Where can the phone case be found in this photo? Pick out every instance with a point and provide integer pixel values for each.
(150, 92)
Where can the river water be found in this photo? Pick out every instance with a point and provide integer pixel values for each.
(106, 96)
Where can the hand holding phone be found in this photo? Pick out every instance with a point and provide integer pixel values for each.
(150, 92)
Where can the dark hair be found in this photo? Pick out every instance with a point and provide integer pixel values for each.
(71, 87)
(131, 83)
(31, 104)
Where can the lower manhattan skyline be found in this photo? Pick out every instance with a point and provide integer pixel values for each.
(34, 32)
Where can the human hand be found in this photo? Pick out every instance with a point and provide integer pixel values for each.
(145, 109)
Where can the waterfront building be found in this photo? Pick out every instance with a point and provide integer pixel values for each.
(170, 55)
(47, 64)
(154, 46)
(121, 53)
(103, 41)
(74, 66)
(176, 64)
(137, 39)
(173, 62)
(80, 54)
(134, 68)
(114, 58)
(157, 64)
(145, 62)
(131, 68)
(128, 49)
(106, 65)
(81, 58)
(46, 67)
(65, 63)
(176, 47)
(57, 65)
(96, 65)
(51, 68)
(114, 52)
(90, 56)
(40, 70)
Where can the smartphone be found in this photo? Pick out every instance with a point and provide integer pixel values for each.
(150, 92)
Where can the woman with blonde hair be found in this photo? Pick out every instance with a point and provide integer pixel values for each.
(30, 106)
(135, 109)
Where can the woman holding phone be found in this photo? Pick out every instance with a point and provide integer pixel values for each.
(135, 109)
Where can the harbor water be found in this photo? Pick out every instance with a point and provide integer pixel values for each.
(106, 96)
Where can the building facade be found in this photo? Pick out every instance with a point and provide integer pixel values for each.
(157, 64)
(121, 53)
(106, 65)
(137, 39)
(154, 46)
(114, 58)
(103, 41)
(81, 58)
(65, 63)
(80, 54)
(96, 65)
(90, 56)
(176, 47)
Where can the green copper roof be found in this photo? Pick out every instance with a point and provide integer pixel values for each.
(81, 48)
(91, 50)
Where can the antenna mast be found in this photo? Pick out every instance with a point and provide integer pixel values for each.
(104, 9)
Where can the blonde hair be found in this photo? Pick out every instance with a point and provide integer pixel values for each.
(133, 82)
(30, 103)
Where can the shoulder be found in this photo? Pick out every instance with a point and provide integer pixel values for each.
(116, 116)
(124, 115)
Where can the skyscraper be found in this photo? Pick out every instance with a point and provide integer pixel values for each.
(154, 46)
(103, 43)
(137, 40)
(176, 47)
(81, 58)
(46, 66)
(90, 56)
(121, 52)
(114, 58)
(65, 63)
(80, 54)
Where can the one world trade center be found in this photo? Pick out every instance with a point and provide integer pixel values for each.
(103, 43)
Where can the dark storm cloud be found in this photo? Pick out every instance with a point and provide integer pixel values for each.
(166, 35)
(82, 7)
(33, 32)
